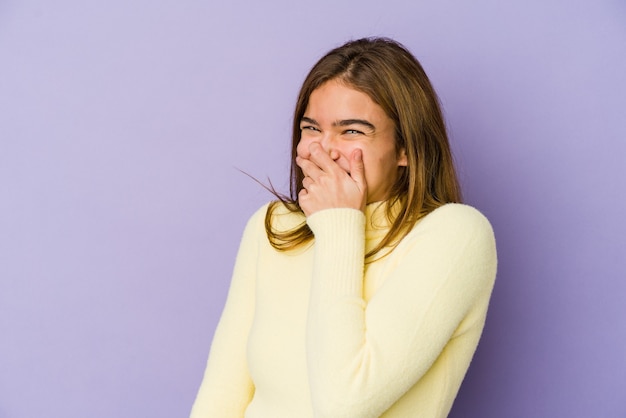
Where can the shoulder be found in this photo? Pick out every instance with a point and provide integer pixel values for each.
(257, 217)
(457, 216)
(456, 235)
(281, 217)
(457, 225)
(259, 213)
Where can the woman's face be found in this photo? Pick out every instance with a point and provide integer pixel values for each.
(342, 119)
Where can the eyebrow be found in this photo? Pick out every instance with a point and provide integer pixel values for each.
(344, 122)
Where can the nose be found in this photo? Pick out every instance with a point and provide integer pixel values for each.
(325, 140)
(328, 143)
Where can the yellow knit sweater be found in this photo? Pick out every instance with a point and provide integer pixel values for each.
(316, 332)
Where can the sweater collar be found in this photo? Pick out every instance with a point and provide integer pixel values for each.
(378, 222)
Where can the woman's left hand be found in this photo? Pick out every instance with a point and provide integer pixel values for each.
(326, 185)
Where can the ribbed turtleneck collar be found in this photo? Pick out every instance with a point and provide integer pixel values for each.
(377, 223)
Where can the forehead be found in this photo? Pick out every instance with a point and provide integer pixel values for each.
(342, 101)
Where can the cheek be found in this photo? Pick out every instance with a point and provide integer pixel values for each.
(379, 170)
(371, 170)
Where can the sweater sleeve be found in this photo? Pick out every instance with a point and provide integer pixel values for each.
(364, 356)
(226, 388)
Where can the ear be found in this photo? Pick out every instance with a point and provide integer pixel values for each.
(402, 160)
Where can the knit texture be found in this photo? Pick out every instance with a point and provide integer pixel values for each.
(317, 332)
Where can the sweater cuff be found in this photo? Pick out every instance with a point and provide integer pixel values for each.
(339, 251)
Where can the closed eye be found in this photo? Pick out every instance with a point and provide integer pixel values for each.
(353, 132)
(309, 128)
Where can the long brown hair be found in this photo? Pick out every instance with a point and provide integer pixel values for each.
(393, 78)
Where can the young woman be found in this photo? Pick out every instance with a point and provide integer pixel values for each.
(364, 292)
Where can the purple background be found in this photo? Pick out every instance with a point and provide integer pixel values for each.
(123, 124)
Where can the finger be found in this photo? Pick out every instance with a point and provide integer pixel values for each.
(307, 182)
(303, 201)
(309, 169)
(323, 160)
(357, 169)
